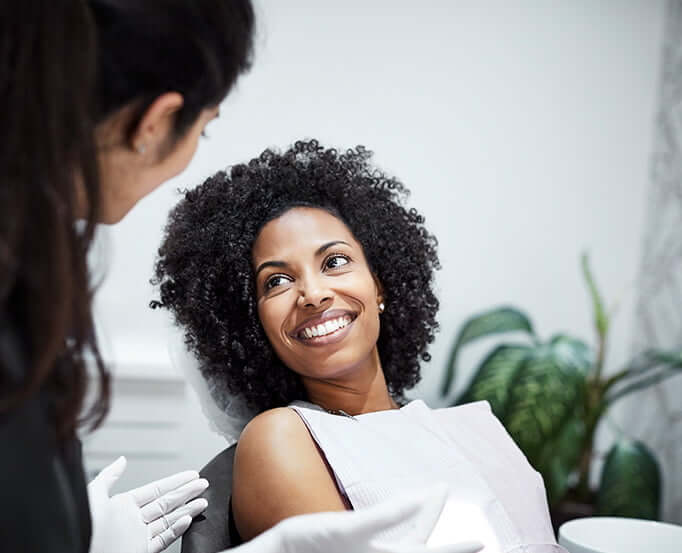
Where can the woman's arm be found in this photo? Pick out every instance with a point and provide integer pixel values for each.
(279, 473)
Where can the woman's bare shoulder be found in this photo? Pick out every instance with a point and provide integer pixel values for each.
(274, 424)
(278, 473)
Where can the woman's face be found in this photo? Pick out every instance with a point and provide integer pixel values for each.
(127, 175)
(317, 298)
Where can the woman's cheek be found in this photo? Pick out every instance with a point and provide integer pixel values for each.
(277, 312)
(266, 318)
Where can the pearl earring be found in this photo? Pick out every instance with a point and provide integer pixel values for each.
(381, 307)
(141, 148)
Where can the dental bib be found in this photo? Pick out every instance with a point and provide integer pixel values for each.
(496, 497)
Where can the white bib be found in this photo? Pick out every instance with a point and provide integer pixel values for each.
(496, 497)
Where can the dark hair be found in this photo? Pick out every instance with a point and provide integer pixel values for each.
(47, 69)
(206, 279)
(53, 93)
(195, 47)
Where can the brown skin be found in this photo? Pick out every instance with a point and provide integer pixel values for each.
(133, 165)
(307, 264)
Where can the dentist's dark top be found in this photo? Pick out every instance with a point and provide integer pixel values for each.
(43, 495)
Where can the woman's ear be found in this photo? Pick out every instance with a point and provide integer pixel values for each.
(380, 289)
(156, 124)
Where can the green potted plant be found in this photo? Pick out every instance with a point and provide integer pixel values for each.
(552, 395)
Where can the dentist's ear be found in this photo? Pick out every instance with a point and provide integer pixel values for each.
(153, 130)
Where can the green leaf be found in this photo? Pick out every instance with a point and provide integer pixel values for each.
(544, 395)
(647, 369)
(493, 377)
(630, 482)
(650, 359)
(573, 352)
(601, 319)
(643, 383)
(496, 321)
(672, 358)
(559, 458)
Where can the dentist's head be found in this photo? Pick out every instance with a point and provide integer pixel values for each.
(163, 68)
(102, 101)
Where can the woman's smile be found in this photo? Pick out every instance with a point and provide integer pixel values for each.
(327, 328)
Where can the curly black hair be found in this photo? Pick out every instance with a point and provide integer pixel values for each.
(206, 279)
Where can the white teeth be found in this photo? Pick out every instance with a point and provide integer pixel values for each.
(327, 327)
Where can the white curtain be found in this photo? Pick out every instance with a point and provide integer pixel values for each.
(655, 416)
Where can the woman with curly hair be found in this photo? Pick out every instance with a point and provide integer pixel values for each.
(305, 286)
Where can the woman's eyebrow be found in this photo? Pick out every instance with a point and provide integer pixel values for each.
(283, 264)
(279, 264)
(328, 245)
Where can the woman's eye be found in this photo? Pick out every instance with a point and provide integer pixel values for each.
(277, 280)
(336, 261)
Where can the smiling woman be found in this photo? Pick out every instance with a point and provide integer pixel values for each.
(223, 265)
(304, 285)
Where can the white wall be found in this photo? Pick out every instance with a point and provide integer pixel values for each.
(523, 129)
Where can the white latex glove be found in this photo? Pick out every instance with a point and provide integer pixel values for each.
(144, 520)
(355, 531)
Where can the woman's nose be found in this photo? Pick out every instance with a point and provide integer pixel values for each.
(313, 293)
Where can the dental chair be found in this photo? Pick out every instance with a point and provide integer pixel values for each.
(211, 531)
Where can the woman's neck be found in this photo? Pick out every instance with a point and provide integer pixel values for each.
(363, 390)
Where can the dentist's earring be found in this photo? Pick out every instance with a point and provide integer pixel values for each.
(381, 307)
(141, 148)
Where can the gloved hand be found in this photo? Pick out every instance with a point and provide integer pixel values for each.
(144, 520)
(355, 531)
